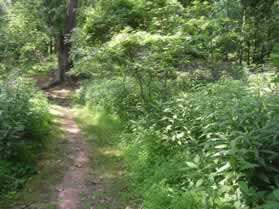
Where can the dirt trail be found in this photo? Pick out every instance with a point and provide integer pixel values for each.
(74, 180)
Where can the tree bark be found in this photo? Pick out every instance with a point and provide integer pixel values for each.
(63, 42)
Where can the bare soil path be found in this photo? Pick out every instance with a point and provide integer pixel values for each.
(74, 180)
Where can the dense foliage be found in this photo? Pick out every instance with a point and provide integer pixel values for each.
(195, 82)
(192, 140)
(24, 123)
(159, 37)
(215, 146)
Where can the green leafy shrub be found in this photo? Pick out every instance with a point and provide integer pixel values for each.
(24, 123)
(215, 146)
(114, 96)
(228, 140)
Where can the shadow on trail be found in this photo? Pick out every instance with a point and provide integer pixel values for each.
(61, 94)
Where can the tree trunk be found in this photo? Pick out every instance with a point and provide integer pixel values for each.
(248, 52)
(63, 60)
(255, 52)
(63, 41)
(51, 46)
(242, 36)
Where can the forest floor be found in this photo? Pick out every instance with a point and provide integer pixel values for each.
(81, 168)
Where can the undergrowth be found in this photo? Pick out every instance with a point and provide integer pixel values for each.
(24, 124)
(215, 146)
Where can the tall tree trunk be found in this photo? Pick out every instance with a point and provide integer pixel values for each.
(63, 61)
(242, 36)
(248, 52)
(255, 52)
(257, 41)
(63, 42)
(51, 46)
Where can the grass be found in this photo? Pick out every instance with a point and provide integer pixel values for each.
(39, 191)
(109, 185)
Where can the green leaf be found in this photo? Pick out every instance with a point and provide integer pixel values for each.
(191, 165)
(199, 183)
(263, 177)
(223, 168)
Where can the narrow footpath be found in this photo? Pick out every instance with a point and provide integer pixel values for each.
(74, 180)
